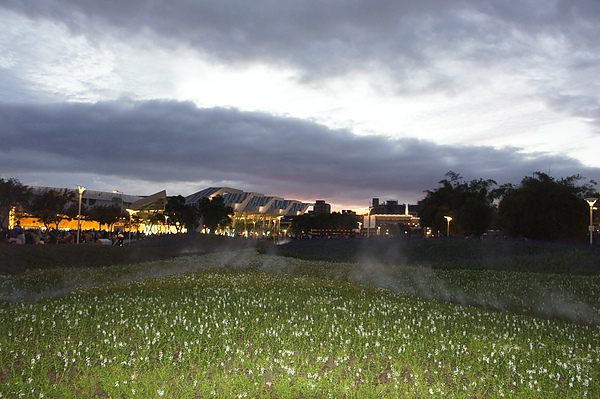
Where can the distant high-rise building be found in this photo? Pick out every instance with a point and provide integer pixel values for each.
(321, 207)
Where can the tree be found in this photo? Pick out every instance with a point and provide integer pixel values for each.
(470, 204)
(12, 194)
(106, 214)
(49, 206)
(182, 214)
(72, 210)
(544, 208)
(215, 214)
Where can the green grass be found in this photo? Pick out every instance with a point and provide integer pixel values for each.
(242, 324)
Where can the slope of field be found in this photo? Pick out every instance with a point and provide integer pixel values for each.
(242, 324)
(16, 259)
(453, 253)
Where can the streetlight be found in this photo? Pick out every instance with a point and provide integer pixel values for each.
(369, 222)
(80, 190)
(448, 218)
(591, 202)
(130, 212)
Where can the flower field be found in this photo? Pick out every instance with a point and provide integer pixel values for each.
(243, 324)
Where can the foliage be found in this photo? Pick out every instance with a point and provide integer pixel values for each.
(106, 214)
(72, 210)
(215, 214)
(397, 229)
(50, 206)
(544, 208)
(324, 221)
(468, 203)
(134, 331)
(182, 215)
(12, 194)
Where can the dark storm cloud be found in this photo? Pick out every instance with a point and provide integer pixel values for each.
(586, 107)
(330, 37)
(168, 141)
(411, 46)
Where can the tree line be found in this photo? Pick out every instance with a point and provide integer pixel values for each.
(540, 207)
(52, 206)
(210, 213)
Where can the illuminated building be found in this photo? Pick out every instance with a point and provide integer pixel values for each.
(254, 213)
(143, 206)
(390, 218)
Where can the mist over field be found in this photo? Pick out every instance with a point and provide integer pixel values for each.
(395, 265)
(245, 321)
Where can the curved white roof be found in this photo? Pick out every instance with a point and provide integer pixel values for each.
(251, 202)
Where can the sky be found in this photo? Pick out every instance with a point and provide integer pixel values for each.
(342, 101)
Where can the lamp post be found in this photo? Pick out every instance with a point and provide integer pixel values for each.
(166, 225)
(369, 222)
(80, 190)
(130, 212)
(448, 218)
(591, 202)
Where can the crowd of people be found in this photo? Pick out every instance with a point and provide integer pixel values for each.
(19, 235)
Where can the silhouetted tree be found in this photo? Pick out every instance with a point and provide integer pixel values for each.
(72, 210)
(470, 204)
(395, 229)
(12, 194)
(49, 206)
(544, 208)
(106, 214)
(182, 214)
(215, 214)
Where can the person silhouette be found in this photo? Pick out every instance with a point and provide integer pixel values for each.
(18, 232)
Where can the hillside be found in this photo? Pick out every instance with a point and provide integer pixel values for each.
(16, 259)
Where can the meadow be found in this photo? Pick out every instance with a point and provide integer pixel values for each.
(243, 323)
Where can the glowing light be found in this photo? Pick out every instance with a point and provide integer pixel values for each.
(448, 218)
(591, 202)
(80, 190)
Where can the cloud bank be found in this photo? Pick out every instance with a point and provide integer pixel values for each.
(334, 100)
(175, 142)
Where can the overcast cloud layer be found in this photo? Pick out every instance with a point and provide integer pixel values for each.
(335, 100)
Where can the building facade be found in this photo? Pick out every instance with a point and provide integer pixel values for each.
(255, 214)
(320, 207)
(141, 206)
(390, 218)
